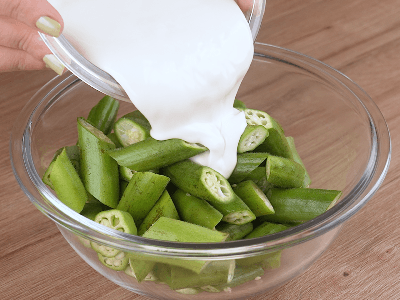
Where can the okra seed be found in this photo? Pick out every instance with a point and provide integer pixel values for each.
(105, 222)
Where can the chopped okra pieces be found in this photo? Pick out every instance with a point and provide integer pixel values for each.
(141, 269)
(118, 263)
(128, 131)
(283, 172)
(252, 137)
(296, 158)
(239, 104)
(236, 232)
(115, 219)
(247, 163)
(103, 114)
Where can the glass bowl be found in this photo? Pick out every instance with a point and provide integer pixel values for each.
(104, 82)
(340, 134)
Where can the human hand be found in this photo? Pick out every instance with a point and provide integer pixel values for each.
(20, 45)
(245, 5)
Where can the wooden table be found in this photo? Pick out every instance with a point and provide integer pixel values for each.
(361, 38)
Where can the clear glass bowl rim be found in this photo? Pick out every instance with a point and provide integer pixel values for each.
(369, 183)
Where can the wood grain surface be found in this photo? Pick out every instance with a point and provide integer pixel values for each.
(361, 38)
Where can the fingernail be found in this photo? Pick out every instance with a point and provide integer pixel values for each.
(53, 63)
(49, 26)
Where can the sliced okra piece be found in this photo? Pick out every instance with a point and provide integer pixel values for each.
(164, 207)
(172, 230)
(73, 154)
(275, 143)
(112, 136)
(252, 137)
(254, 198)
(141, 194)
(246, 163)
(259, 177)
(272, 261)
(264, 229)
(296, 158)
(99, 171)
(236, 232)
(238, 104)
(115, 219)
(118, 263)
(140, 269)
(205, 183)
(241, 276)
(195, 210)
(215, 273)
(153, 154)
(67, 183)
(284, 173)
(299, 204)
(126, 173)
(122, 187)
(103, 114)
(91, 209)
(129, 131)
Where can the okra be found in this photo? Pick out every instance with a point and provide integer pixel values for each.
(129, 131)
(164, 207)
(99, 171)
(167, 229)
(153, 154)
(189, 291)
(275, 143)
(195, 210)
(73, 154)
(283, 172)
(254, 198)
(236, 232)
(216, 272)
(299, 204)
(246, 163)
(296, 158)
(241, 276)
(67, 183)
(118, 263)
(141, 194)
(252, 137)
(115, 219)
(259, 177)
(236, 211)
(264, 229)
(91, 209)
(239, 104)
(122, 187)
(103, 114)
(112, 136)
(140, 269)
(126, 173)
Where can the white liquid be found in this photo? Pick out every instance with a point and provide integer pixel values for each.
(180, 62)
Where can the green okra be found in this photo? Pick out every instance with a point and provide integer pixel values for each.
(264, 229)
(164, 207)
(241, 276)
(167, 229)
(118, 263)
(254, 198)
(195, 210)
(259, 177)
(252, 137)
(272, 260)
(91, 209)
(129, 130)
(205, 183)
(112, 136)
(216, 272)
(103, 114)
(125, 173)
(140, 269)
(246, 163)
(284, 173)
(67, 183)
(122, 187)
(275, 143)
(236, 232)
(299, 204)
(153, 154)
(189, 291)
(296, 158)
(239, 104)
(99, 171)
(141, 194)
(73, 154)
(117, 220)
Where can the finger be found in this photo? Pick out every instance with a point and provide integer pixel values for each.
(13, 60)
(37, 14)
(245, 5)
(17, 35)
